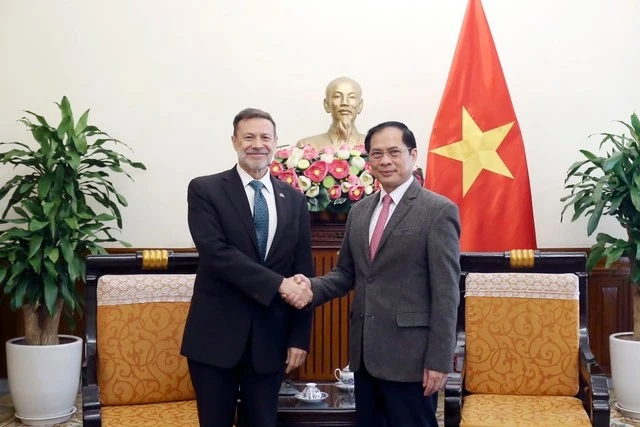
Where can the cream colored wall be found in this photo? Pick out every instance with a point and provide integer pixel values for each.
(167, 77)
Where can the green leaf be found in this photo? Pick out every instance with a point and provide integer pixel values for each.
(82, 124)
(34, 244)
(67, 250)
(635, 197)
(595, 218)
(50, 294)
(613, 256)
(72, 222)
(36, 225)
(612, 161)
(44, 184)
(65, 125)
(52, 253)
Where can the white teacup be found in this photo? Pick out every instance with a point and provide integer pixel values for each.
(344, 375)
(311, 392)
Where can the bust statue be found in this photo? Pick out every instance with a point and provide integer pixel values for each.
(343, 100)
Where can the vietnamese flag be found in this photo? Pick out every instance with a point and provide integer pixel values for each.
(476, 155)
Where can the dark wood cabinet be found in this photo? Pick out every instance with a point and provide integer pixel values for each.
(610, 308)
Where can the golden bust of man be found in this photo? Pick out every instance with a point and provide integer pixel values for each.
(343, 100)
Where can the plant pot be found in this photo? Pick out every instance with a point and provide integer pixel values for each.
(625, 374)
(44, 379)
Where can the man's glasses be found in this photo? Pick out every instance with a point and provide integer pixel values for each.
(394, 153)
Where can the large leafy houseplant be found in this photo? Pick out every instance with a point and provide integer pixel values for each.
(61, 206)
(609, 184)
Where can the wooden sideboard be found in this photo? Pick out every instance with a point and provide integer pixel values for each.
(609, 311)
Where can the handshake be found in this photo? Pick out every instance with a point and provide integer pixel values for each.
(296, 290)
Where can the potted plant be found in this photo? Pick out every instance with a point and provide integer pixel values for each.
(61, 207)
(609, 184)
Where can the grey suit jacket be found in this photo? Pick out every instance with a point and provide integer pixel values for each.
(403, 315)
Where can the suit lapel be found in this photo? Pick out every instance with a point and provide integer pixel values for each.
(283, 212)
(364, 234)
(238, 196)
(400, 212)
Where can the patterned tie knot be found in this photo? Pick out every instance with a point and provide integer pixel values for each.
(256, 185)
(387, 200)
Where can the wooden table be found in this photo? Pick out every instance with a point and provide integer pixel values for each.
(339, 409)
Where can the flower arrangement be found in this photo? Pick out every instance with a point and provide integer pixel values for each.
(332, 180)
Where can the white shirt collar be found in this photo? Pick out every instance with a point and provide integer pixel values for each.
(398, 192)
(246, 179)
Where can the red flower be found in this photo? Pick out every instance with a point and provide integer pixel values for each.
(339, 169)
(356, 192)
(309, 153)
(335, 192)
(275, 168)
(317, 171)
(289, 176)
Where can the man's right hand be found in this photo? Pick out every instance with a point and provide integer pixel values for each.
(296, 291)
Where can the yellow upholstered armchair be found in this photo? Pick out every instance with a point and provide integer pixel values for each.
(135, 314)
(523, 356)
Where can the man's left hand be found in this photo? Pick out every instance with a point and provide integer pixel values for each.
(432, 381)
(295, 358)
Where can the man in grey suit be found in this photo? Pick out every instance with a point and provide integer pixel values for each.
(401, 255)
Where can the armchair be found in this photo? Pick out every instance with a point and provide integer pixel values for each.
(523, 355)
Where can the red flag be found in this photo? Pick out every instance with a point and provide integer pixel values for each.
(476, 155)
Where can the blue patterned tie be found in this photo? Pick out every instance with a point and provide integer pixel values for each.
(260, 217)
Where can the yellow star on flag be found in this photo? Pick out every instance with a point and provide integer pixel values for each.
(477, 150)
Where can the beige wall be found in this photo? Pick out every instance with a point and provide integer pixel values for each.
(167, 77)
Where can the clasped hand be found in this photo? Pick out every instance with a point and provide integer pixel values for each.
(296, 290)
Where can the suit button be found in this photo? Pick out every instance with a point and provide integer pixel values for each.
(370, 280)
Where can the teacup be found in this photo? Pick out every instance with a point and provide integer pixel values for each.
(311, 392)
(344, 375)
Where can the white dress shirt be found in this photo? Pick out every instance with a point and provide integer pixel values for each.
(268, 194)
(396, 195)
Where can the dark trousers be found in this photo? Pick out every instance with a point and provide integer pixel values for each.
(381, 403)
(218, 389)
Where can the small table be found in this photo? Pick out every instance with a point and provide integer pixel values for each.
(339, 409)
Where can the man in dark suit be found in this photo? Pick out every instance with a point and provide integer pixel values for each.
(251, 231)
(400, 254)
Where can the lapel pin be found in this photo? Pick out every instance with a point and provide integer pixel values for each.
(281, 195)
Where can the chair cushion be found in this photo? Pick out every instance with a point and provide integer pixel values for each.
(508, 410)
(140, 323)
(167, 414)
(522, 334)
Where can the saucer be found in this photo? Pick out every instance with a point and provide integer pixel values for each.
(343, 386)
(301, 398)
(627, 412)
(48, 421)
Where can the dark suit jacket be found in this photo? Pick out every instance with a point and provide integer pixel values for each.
(235, 296)
(404, 311)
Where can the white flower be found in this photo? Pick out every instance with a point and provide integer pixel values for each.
(327, 158)
(368, 189)
(313, 191)
(358, 162)
(345, 186)
(293, 160)
(343, 154)
(304, 183)
(366, 179)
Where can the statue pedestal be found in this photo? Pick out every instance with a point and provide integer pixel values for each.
(327, 229)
